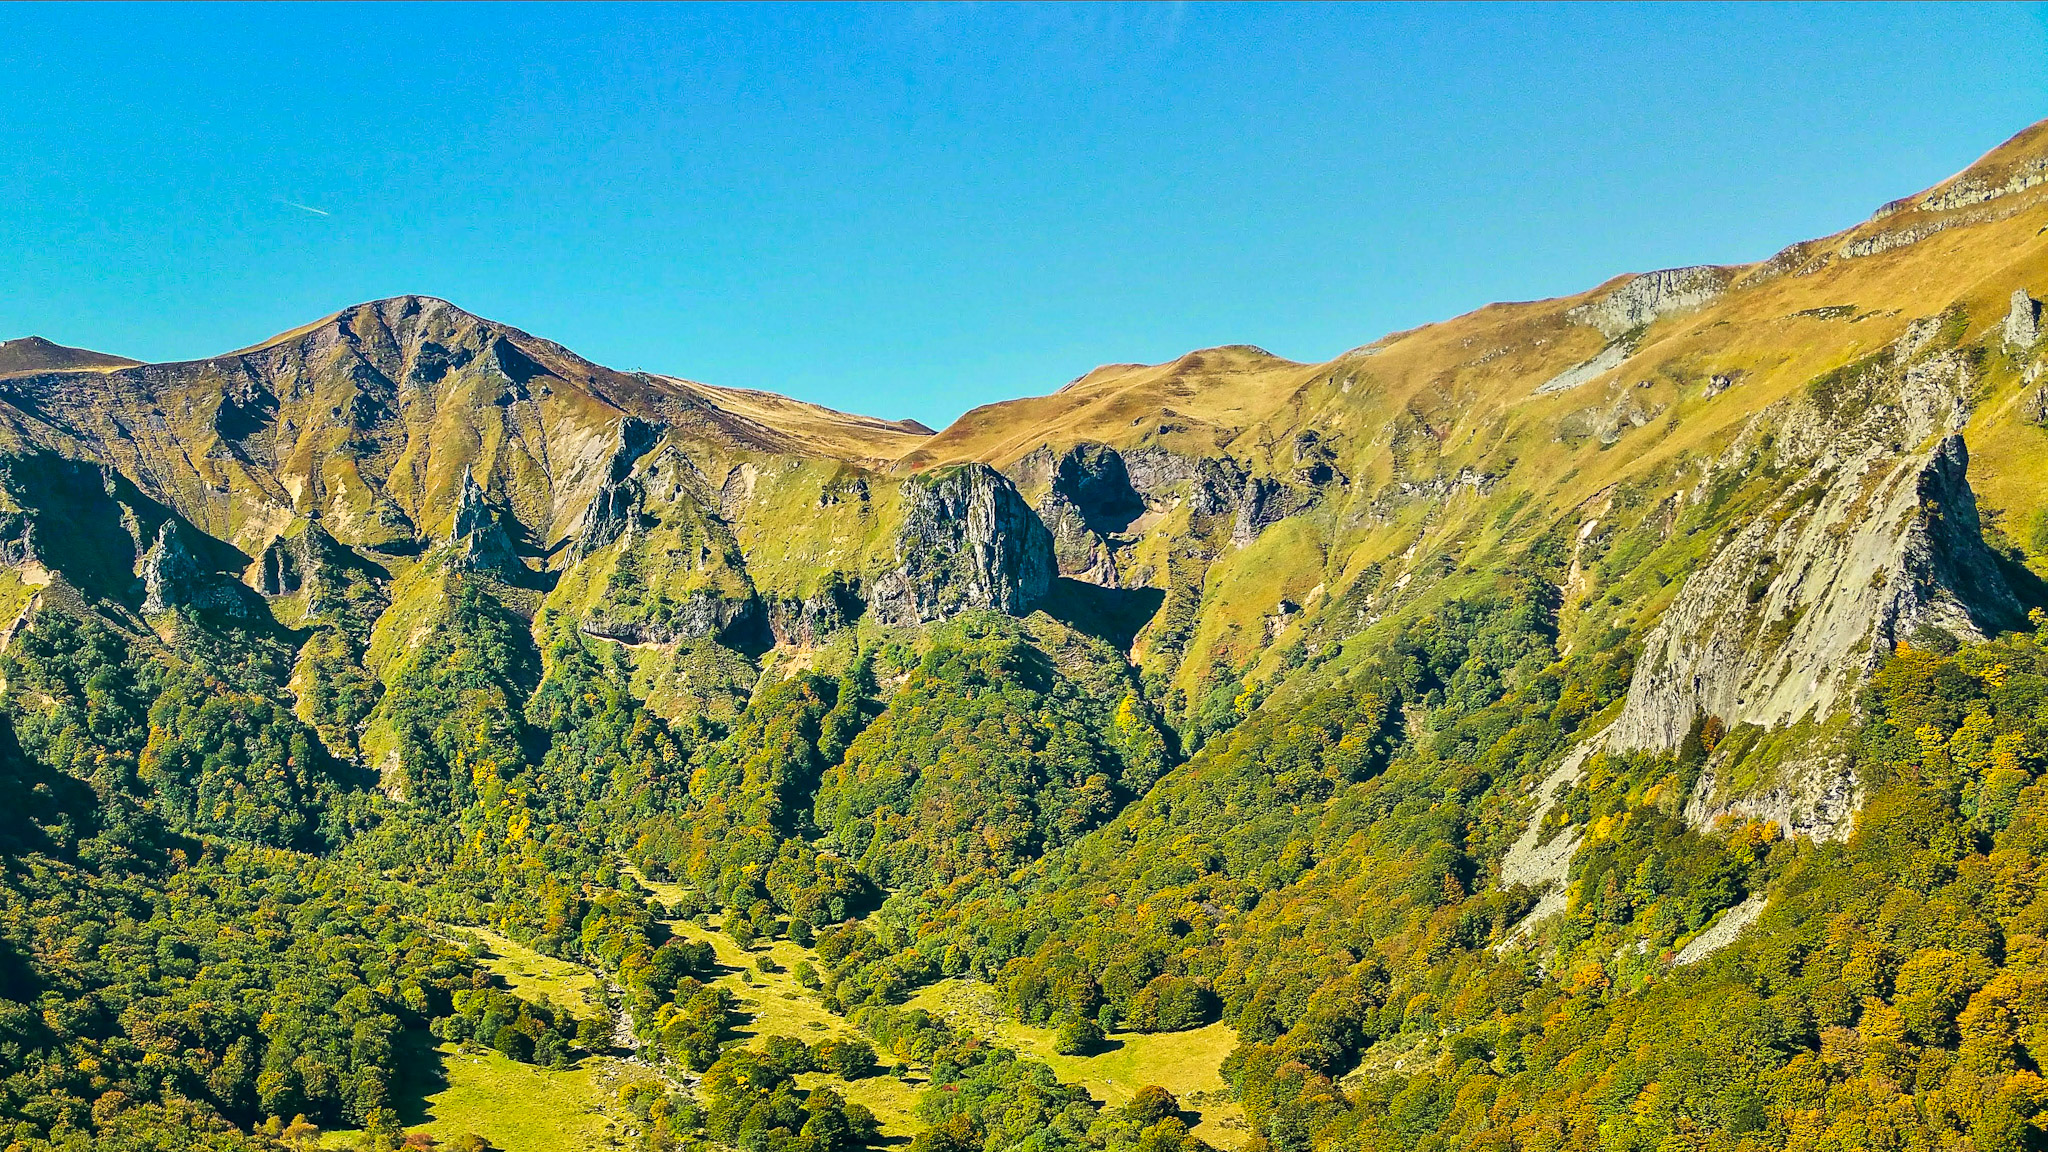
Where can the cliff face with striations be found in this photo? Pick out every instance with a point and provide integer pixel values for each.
(1876, 539)
(967, 541)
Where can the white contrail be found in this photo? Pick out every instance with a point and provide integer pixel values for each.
(304, 207)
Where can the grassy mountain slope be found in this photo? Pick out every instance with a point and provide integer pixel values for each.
(1605, 721)
(1433, 431)
(35, 354)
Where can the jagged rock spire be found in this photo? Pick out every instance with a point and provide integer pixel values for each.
(172, 578)
(478, 534)
(616, 507)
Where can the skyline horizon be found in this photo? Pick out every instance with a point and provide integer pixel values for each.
(920, 211)
(936, 428)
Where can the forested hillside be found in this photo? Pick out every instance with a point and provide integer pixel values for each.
(1607, 722)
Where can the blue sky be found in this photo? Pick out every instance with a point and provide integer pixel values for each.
(908, 210)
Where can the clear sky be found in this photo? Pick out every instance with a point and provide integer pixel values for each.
(909, 210)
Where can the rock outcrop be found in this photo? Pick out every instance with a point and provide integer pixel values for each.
(1604, 361)
(1264, 502)
(1872, 539)
(660, 563)
(1791, 613)
(478, 536)
(173, 578)
(312, 561)
(1874, 547)
(1647, 297)
(1088, 500)
(1971, 189)
(617, 503)
(736, 621)
(1210, 484)
(806, 621)
(968, 541)
(2022, 321)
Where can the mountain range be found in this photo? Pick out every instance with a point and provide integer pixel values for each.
(1605, 721)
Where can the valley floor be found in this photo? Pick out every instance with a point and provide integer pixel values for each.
(450, 1090)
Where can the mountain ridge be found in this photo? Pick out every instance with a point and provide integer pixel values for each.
(1616, 720)
(29, 354)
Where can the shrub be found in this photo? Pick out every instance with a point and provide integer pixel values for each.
(1077, 1037)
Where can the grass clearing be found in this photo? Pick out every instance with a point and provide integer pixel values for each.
(537, 977)
(893, 1101)
(780, 1006)
(447, 1092)
(1184, 1063)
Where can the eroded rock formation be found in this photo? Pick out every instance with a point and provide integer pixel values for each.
(968, 541)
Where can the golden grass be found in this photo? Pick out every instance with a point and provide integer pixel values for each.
(1185, 1063)
(1201, 400)
(537, 977)
(447, 1092)
(813, 428)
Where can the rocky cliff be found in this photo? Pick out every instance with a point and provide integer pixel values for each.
(1876, 540)
(967, 541)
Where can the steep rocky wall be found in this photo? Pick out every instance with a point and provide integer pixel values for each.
(968, 541)
(1874, 539)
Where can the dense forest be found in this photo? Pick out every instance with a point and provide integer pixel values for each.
(215, 927)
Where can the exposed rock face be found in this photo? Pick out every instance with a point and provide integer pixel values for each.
(1784, 620)
(1094, 479)
(1444, 487)
(1606, 360)
(313, 561)
(1095, 493)
(617, 503)
(1212, 484)
(1077, 549)
(479, 536)
(1315, 461)
(18, 541)
(968, 541)
(288, 563)
(611, 513)
(1265, 502)
(1089, 500)
(735, 621)
(676, 573)
(804, 622)
(1649, 296)
(2023, 321)
(172, 578)
(1806, 599)
(1977, 189)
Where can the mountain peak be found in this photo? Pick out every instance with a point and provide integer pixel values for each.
(30, 354)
